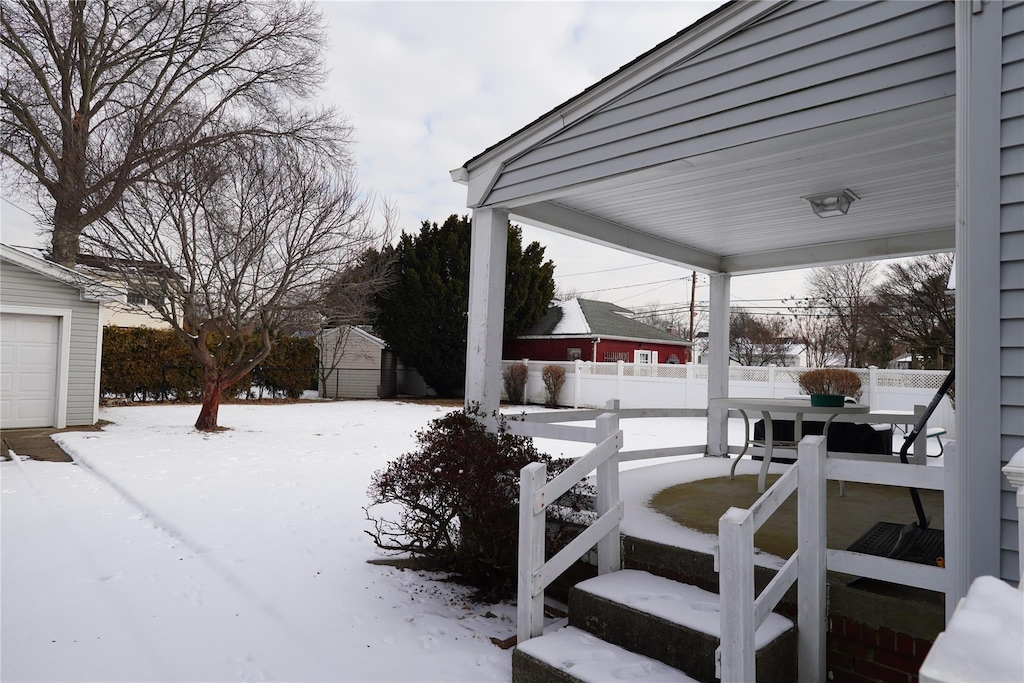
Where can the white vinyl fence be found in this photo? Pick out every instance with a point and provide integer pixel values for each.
(645, 385)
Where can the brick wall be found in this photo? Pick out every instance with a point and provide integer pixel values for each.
(857, 653)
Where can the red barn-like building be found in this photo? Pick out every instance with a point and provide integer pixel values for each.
(596, 331)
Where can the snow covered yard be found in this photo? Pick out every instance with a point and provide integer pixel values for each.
(168, 554)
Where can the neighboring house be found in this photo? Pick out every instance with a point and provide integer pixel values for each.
(783, 135)
(581, 329)
(356, 364)
(51, 339)
(132, 309)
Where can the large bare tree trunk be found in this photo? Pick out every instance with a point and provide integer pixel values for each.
(212, 390)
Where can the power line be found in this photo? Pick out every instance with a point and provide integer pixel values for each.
(641, 284)
(606, 270)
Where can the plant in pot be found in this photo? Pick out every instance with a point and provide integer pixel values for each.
(830, 386)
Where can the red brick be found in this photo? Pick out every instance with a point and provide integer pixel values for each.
(887, 640)
(839, 659)
(851, 629)
(905, 644)
(921, 648)
(868, 636)
(840, 676)
(880, 673)
(857, 650)
(894, 661)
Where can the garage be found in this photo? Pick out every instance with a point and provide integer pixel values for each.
(51, 325)
(28, 369)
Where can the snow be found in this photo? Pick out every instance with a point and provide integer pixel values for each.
(572, 321)
(171, 555)
(984, 640)
(166, 554)
(591, 659)
(678, 603)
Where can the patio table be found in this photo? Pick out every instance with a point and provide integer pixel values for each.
(797, 407)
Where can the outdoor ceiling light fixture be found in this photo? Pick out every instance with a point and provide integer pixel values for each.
(831, 203)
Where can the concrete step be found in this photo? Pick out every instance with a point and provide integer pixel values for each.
(674, 623)
(569, 654)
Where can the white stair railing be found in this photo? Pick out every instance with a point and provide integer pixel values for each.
(536, 494)
(741, 613)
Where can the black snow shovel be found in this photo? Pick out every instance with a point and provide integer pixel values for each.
(917, 541)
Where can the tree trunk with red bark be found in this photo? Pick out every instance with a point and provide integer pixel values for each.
(212, 390)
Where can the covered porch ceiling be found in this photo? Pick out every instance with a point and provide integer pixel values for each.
(740, 210)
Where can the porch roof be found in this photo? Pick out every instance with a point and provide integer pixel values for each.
(700, 152)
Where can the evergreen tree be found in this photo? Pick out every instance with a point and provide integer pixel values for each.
(423, 314)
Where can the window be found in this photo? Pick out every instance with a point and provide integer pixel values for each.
(574, 354)
(615, 356)
(136, 299)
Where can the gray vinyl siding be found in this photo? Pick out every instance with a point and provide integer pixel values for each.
(356, 366)
(863, 58)
(1011, 274)
(24, 288)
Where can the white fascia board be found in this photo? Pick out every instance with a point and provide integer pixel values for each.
(549, 216)
(830, 253)
(91, 289)
(730, 19)
(606, 337)
(369, 337)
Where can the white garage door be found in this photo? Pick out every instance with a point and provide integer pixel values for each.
(28, 369)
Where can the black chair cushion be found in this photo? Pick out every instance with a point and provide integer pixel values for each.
(844, 437)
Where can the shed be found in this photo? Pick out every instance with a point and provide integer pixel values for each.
(582, 329)
(355, 364)
(51, 341)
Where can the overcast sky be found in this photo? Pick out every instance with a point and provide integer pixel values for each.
(428, 85)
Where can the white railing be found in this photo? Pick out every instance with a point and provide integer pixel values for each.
(685, 386)
(536, 494)
(742, 612)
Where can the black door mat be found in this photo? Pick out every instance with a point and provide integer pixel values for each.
(923, 546)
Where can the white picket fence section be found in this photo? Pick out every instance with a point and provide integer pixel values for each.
(662, 385)
(742, 612)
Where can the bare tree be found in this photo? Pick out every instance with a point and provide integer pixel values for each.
(101, 95)
(236, 245)
(349, 300)
(918, 311)
(757, 340)
(816, 332)
(844, 294)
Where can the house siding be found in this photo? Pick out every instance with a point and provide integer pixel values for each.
(1011, 274)
(558, 349)
(23, 288)
(864, 57)
(357, 366)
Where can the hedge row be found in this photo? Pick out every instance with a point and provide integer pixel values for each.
(141, 363)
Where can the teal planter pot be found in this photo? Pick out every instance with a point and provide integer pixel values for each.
(827, 400)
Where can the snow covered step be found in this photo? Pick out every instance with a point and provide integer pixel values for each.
(672, 622)
(570, 654)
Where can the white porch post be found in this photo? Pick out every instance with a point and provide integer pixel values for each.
(486, 308)
(973, 476)
(718, 363)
